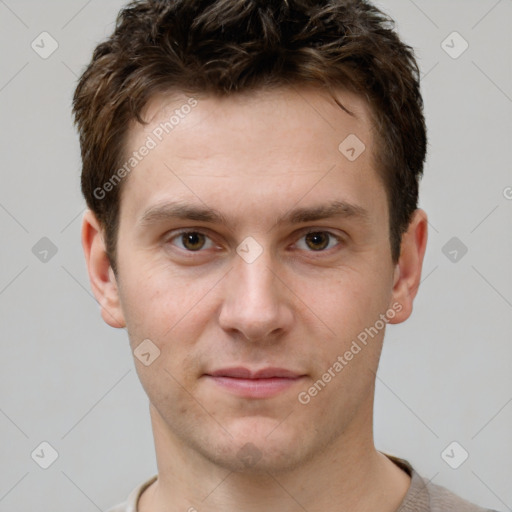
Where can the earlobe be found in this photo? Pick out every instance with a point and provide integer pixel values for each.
(407, 274)
(101, 276)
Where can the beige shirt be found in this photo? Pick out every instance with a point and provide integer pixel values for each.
(422, 496)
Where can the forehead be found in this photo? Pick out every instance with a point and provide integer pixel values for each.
(259, 111)
(264, 144)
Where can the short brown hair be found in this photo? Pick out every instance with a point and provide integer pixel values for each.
(222, 47)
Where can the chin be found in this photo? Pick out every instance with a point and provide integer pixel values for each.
(259, 446)
(256, 458)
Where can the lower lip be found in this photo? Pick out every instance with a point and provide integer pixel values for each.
(255, 388)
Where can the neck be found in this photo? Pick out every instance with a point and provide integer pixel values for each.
(347, 475)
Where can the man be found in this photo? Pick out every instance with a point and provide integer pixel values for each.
(251, 170)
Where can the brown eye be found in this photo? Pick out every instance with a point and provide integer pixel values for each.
(317, 241)
(193, 241)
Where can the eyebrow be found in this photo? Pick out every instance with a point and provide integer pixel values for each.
(340, 209)
(187, 211)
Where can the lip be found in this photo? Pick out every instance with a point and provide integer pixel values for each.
(240, 372)
(263, 383)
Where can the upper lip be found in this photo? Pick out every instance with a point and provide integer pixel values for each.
(265, 373)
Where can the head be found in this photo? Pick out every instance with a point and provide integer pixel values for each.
(212, 48)
(251, 171)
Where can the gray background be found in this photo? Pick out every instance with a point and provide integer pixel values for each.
(69, 380)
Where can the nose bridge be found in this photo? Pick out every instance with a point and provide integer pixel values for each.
(254, 302)
(256, 278)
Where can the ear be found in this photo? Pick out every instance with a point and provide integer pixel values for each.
(101, 276)
(408, 269)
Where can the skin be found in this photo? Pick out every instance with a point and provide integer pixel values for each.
(254, 158)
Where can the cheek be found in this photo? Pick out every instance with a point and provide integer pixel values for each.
(172, 315)
(156, 303)
(164, 387)
(346, 311)
(347, 301)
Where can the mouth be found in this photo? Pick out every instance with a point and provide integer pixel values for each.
(263, 383)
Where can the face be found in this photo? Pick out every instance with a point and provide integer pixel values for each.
(253, 255)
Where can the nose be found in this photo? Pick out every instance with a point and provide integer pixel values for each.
(256, 305)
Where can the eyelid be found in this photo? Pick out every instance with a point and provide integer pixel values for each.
(306, 231)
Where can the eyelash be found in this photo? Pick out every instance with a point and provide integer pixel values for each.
(177, 234)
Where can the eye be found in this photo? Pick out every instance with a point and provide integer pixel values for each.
(318, 241)
(192, 241)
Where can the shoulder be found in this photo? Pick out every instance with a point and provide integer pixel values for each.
(126, 506)
(130, 505)
(425, 496)
(122, 507)
(442, 500)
